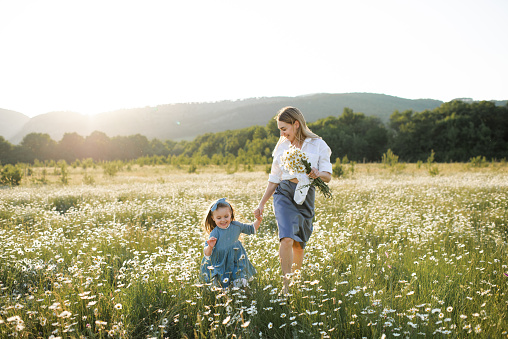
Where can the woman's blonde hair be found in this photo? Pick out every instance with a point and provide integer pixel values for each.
(208, 222)
(290, 115)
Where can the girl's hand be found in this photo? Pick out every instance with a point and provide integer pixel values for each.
(258, 212)
(211, 242)
(314, 173)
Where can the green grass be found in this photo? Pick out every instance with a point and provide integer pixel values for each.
(402, 254)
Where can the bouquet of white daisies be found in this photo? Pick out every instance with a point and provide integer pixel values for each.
(296, 162)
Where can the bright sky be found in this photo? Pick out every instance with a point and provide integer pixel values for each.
(96, 56)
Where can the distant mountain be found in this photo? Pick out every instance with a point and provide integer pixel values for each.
(11, 122)
(56, 124)
(186, 121)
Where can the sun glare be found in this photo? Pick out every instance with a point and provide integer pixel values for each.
(174, 53)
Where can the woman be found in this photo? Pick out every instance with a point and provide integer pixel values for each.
(294, 221)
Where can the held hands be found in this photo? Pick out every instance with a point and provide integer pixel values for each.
(258, 212)
(259, 216)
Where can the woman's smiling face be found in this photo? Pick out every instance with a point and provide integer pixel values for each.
(222, 217)
(288, 130)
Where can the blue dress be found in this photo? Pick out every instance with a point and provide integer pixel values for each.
(228, 261)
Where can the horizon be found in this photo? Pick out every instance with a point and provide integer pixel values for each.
(157, 53)
(240, 99)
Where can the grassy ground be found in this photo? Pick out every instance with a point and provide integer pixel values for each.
(398, 252)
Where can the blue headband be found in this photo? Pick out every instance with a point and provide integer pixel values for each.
(221, 200)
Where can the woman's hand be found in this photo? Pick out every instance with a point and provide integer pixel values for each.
(314, 173)
(270, 189)
(257, 223)
(259, 217)
(258, 212)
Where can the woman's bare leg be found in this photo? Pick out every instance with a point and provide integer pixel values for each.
(286, 261)
(291, 258)
(298, 254)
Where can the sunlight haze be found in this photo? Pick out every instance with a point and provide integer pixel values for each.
(97, 56)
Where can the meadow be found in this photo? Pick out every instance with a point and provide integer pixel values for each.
(396, 253)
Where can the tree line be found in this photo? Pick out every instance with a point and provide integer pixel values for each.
(455, 132)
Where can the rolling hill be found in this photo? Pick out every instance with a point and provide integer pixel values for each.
(186, 121)
(11, 122)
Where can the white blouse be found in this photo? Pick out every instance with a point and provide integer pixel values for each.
(316, 149)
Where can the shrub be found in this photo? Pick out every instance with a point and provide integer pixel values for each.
(390, 159)
(352, 167)
(88, 179)
(63, 203)
(11, 175)
(112, 168)
(431, 165)
(338, 169)
(478, 161)
(232, 167)
(64, 172)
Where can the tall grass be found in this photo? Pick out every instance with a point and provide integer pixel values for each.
(402, 254)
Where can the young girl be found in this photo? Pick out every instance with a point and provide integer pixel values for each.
(225, 260)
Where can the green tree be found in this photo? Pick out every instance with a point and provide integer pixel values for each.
(271, 128)
(6, 152)
(353, 134)
(40, 146)
(456, 131)
(129, 147)
(157, 147)
(97, 146)
(71, 147)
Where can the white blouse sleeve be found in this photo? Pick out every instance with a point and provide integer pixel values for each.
(324, 164)
(276, 172)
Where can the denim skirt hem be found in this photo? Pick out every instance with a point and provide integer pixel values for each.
(293, 221)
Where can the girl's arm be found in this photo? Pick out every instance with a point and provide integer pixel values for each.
(270, 189)
(209, 249)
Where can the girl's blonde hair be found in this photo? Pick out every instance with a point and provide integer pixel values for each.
(208, 222)
(290, 115)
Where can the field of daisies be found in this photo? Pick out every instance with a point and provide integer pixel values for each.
(393, 254)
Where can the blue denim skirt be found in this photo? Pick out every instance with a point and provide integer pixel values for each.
(294, 221)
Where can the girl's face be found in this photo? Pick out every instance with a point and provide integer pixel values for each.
(222, 217)
(288, 130)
